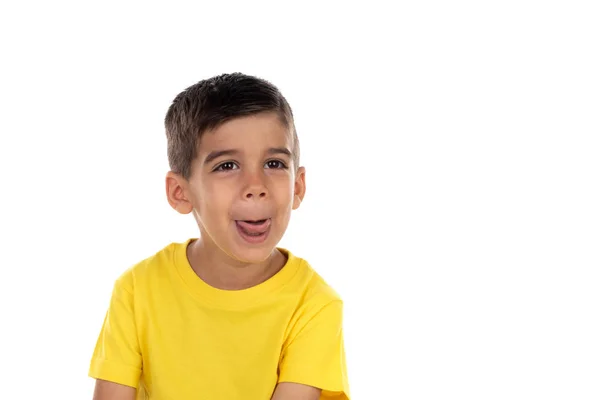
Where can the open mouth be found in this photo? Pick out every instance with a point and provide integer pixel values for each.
(253, 231)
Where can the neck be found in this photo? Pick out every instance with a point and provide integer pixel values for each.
(221, 271)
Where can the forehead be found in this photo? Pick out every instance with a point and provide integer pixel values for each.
(254, 131)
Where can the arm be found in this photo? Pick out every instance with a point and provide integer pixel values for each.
(313, 357)
(295, 391)
(117, 360)
(106, 390)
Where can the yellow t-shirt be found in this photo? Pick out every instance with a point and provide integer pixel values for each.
(174, 337)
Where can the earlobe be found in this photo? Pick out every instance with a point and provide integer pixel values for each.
(175, 187)
(297, 201)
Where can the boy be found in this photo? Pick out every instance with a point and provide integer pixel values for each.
(227, 315)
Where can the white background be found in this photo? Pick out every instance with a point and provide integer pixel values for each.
(452, 154)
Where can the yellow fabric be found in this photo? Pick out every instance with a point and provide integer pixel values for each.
(174, 337)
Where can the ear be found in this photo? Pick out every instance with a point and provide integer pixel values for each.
(299, 187)
(177, 193)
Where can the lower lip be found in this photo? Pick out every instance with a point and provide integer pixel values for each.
(253, 239)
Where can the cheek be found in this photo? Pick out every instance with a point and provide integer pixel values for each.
(283, 191)
(214, 202)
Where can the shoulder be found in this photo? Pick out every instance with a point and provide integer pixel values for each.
(150, 268)
(316, 292)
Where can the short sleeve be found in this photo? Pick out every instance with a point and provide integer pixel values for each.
(315, 356)
(117, 357)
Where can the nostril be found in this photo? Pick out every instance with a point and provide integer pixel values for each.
(252, 193)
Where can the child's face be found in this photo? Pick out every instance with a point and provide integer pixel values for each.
(244, 186)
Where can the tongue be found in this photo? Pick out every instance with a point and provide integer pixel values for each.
(254, 227)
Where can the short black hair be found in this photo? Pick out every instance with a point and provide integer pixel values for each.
(210, 103)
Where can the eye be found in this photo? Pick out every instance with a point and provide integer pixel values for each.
(275, 164)
(226, 166)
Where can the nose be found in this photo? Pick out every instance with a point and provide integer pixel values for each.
(255, 187)
(255, 192)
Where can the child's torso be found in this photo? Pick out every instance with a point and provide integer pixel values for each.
(216, 349)
(214, 353)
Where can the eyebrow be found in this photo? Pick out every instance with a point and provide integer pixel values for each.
(219, 153)
(280, 150)
(213, 155)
